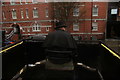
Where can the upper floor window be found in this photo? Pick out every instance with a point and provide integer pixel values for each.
(21, 1)
(26, 1)
(35, 13)
(12, 2)
(3, 3)
(14, 15)
(95, 10)
(22, 15)
(3, 13)
(46, 12)
(94, 26)
(27, 15)
(76, 11)
(35, 1)
(57, 12)
(46, 1)
(75, 26)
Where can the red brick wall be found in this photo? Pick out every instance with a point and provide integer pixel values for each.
(85, 25)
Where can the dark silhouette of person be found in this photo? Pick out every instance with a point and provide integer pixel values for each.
(60, 39)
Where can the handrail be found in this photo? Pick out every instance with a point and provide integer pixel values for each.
(10, 35)
(4, 50)
(111, 51)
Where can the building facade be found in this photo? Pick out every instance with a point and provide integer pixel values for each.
(36, 18)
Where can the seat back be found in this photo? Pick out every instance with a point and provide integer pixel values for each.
(59, 57)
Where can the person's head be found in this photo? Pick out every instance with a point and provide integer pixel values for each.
(60, 25)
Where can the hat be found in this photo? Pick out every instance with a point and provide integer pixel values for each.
(60, 25)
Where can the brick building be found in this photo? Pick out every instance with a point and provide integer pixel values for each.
(36, 18)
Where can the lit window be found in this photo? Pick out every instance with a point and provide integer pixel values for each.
(95, 10)
(75, 27)
(27, 15)
(76, 12)
(94, 26)
(36, 27)
(35, 13)
(46, 12)
(114, 11)
(14, 15)
(12, 2)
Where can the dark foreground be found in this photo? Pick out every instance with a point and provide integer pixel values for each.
(91, 53)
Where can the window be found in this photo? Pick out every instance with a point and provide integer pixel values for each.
(21, 1)
(3, 3)
(35, 1)
(46, 1)
(94, 26)
(47, 28)
(46, 12)
(12, 2)
(36, 27)
(27, 15)
(14, 15)
(95, 0)
(35, 13)
(28, 29)
(75, 27)
(4, 17)
(95, 10)
(76, 11)
(114, 11)
(26, 1)
(22, 16)
(57, 12)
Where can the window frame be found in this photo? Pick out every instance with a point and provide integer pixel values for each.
(94, 26)
(35, 11)
(12, 2)
(95, 12)
(14, 14)
(36, 27)
(76, 26)
(27, 13)
(76, 11)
